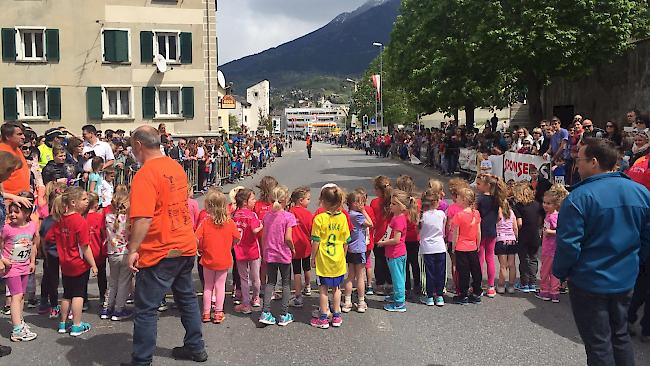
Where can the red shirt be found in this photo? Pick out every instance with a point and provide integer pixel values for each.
(381, 220)
(301, 234)
(97, 227)
(371, 231)
(640, 171)
(248, 248)
(262, 208)
(215, 242)
(412, 232)
(71, 234)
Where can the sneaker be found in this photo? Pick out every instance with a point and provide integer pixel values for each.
(22, 334)
(461, 300)
(237, 297)
(285, 319)
(296, 302)
(500, 290)
(316, 313)
(55, 312)
(256, 302)
(130, 300)
(121, 315)
(362, 307)
(491, 293)
(267, 318)
(32, 303)
(395, 307)
(321, 322)
(275, 296)
(543, 296)
(337, 321)
(510, 290)
(522, 288)
(533, 288)
(105, 314)
(6, 310)
(473, 299)
(64, 327)
(370, 291)
(77, 330)
(244, 309)
(388, 299)
(555, 298)
(219, 317)
(439, 301)
(346, 307)
(205, 318)
(163, 306)
(307, 290)
(44, 309)
(183, 353)
(428, 301)
(564, 290)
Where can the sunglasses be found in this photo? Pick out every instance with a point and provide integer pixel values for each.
(26, 148)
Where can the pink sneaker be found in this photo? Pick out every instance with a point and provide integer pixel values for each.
(243, 308)
(322, 323)
(256, 302)
(337, 320)
(491, 292)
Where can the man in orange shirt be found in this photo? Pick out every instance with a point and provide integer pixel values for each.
(162, 248)
(309, 144)
(12, 139)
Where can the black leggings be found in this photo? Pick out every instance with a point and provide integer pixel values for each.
(50, 280)
(382, 275)
(102, 282)
(412, 261)
(467, 264)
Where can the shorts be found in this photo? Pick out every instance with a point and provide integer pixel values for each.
(301, 265)
(506, 248)
(329, 281)
(16, 284)
(355, 258)
(75, 286)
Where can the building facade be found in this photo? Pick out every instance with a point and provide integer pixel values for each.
(328, 118)
(73, 63)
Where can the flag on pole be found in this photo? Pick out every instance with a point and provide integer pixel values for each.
(376, 81)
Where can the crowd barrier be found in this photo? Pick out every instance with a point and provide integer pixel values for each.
(509, 166)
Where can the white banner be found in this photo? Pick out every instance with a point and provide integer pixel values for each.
(517, 166)
(467, 159)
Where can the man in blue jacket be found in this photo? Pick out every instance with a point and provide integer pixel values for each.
(603, 228)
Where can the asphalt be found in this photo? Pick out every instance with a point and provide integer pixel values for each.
(508, 330)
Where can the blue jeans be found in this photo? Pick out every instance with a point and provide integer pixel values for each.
(435, 266)
(151, 284)
(397, 268)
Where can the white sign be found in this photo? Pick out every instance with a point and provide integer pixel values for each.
(516, 167)
(467, 159)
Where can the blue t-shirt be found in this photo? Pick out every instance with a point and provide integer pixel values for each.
(95, 177)
(358, 235)
(556, 141)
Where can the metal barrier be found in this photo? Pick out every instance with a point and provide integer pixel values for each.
(191, 168)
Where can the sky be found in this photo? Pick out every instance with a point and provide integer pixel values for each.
(247, 27)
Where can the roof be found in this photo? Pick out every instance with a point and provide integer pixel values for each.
(242, 100)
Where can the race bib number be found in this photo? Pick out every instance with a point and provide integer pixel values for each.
(21, 253)
(559, 179)
(389, 231)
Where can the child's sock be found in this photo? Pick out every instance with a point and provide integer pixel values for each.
(348, 299)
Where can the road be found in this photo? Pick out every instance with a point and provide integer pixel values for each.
(508, 330)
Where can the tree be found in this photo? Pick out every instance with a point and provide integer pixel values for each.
(266, 122)
(233, 123)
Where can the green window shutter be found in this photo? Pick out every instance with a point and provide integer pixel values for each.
(188, 102)
(116, 46)
(52, 45)
(8, 44)
(54, 103)
(148, 102)
(186, 48)
(146, 47)
(10, 103)
(94, 102)
(109, 46)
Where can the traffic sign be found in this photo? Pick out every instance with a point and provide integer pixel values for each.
(373, 121)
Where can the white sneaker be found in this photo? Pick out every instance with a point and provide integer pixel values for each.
(362, 307)
(23, 335)
(346, 307)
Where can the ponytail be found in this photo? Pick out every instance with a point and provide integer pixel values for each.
(58, 208)
(279, 194)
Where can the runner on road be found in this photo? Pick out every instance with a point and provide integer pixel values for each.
(309, 143)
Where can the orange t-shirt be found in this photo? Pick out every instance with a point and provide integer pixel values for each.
(215, 243)
(468, 224)
(159, 192)
(19, 179)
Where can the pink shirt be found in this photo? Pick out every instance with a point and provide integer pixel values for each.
(248, 248)
(548, 240)
(505, 228)
(276, 224)
(18, 247)
(452, 210)
(397, 223)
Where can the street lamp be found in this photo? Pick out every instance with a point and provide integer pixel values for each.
(351, 98)
(381, 83)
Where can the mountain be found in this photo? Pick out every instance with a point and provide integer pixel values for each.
(341, 49)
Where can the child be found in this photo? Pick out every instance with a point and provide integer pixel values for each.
(465, 243)
(20, 239)
(455, 184)
(405, 183)
(247, 251)
(216, 235)
(433, 248)
(530, 216)
(106, 189)
(370, 243)
(117, 237)
(506, 247)
(492, 191)
(277, 244)
(356, 254)
(437, 187)
(262, 207)
(72, 237)
(56, 170)
(549, 286)
(330, 234)
(300, 262)
(51, 275)
(236, 281)
(95, 177)
(403, 208)
(96, 225)
(382, 215)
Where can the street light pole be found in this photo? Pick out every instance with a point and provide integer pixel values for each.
(351, 98)
(381, 83)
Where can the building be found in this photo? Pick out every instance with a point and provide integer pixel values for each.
(72, 63)
(247, 111)
(328, 118)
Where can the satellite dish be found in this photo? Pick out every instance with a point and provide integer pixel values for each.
(221, 79)
(161, 62)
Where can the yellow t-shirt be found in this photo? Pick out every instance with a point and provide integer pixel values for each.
(332, 232)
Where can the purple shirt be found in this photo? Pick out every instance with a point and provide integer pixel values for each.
(276, 224)
(358, 233)
(397, 223)
(18, 247)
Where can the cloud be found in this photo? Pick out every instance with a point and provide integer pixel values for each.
(246, 27)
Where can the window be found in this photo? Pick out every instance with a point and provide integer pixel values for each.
(32, 103)
(168, 102)
(116, 45)
(166, 44)
(117, 102)
(31, 44)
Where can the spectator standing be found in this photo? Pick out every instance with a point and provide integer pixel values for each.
(559, 140)
(13, 137)
(93, 146)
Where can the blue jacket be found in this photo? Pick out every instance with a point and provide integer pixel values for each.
(603, 228)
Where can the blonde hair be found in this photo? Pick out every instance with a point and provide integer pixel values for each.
(437, 185)
(557, 194)
(332, 198)
(278, 195)
(215, 205)
(52, 189)
(523, 193)
(467, 196)
(62, 202)
(298, 194)
(408, 203)
(455, 184)
(120, 205)
(430, 199)
(233, 193)
(93, 200)
(382, 184)
(266, 186)
(405, 183)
